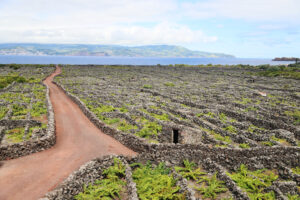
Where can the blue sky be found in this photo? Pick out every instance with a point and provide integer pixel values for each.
(244, 28)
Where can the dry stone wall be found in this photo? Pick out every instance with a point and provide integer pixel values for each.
(40, 143)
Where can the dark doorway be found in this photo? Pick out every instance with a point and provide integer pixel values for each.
(175, 136)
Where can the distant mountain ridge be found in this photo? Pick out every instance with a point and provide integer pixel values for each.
(104, 50)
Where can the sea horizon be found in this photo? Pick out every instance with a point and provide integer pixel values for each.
(113, 60)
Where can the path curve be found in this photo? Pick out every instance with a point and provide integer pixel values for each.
(77, 141)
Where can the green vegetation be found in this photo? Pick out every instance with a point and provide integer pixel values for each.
(222, 138)
(155, 182)
(267, 143)
(149, 130)
(19, 111)
(12, 97)
(254, 182)
(8, 79)
(31, 129)
(101, 108)
(244, 101)
(221, 145)
(3, 111)
(108, 188)
(38, 109)
(169, 84)
(296, 170)
(253, 129)
(230, 129)
(163, 117)
(251, 108)
(293, 197)
(123, 109)
(104, 108)
(217, 136)
(210, 185)
(244, 145)
(15, 135)
(190, 171)
(209, 114)
(125, 126)
(147, 86)
(296, 116)
(292, 71)
(222, 117)
(280, 140)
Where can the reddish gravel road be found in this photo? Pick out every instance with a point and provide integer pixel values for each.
(78, 141)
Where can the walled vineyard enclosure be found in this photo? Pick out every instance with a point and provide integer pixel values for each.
(224, 107)
(24, 110)
(224, 119)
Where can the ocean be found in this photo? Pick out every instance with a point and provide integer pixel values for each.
(85, 60)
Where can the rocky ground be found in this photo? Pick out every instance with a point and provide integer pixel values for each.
(224, 119)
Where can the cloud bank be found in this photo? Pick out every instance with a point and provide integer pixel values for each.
(131, 22)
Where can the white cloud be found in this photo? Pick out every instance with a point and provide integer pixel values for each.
(163, 33)
(131, 22)
(255, 10)
(124, 22)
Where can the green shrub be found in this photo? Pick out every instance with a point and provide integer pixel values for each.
(155, 183)
(210, 186)
(108, 188)
(254, 182)
(230, 129)
(15, 135)
(38, 109)
(19, 111)
(296, 170)
(147, 86)
(223, 117)
(15, 66)
(123, 109)
(244, 145)
(149, 130)
(190, 171)
(169, 84)
(125, 126)
(296, 116)
(3, 111)
(222, 138)
(244, 101)
(293, 197)
(267, 143)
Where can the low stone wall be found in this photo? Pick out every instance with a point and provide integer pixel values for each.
(89, 173)
(11, 151)
(2, 132)
(226, 157)
(19, 123)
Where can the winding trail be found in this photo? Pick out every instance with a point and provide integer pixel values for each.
(77, 141)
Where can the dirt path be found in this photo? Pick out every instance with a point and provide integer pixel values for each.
(78, 141)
